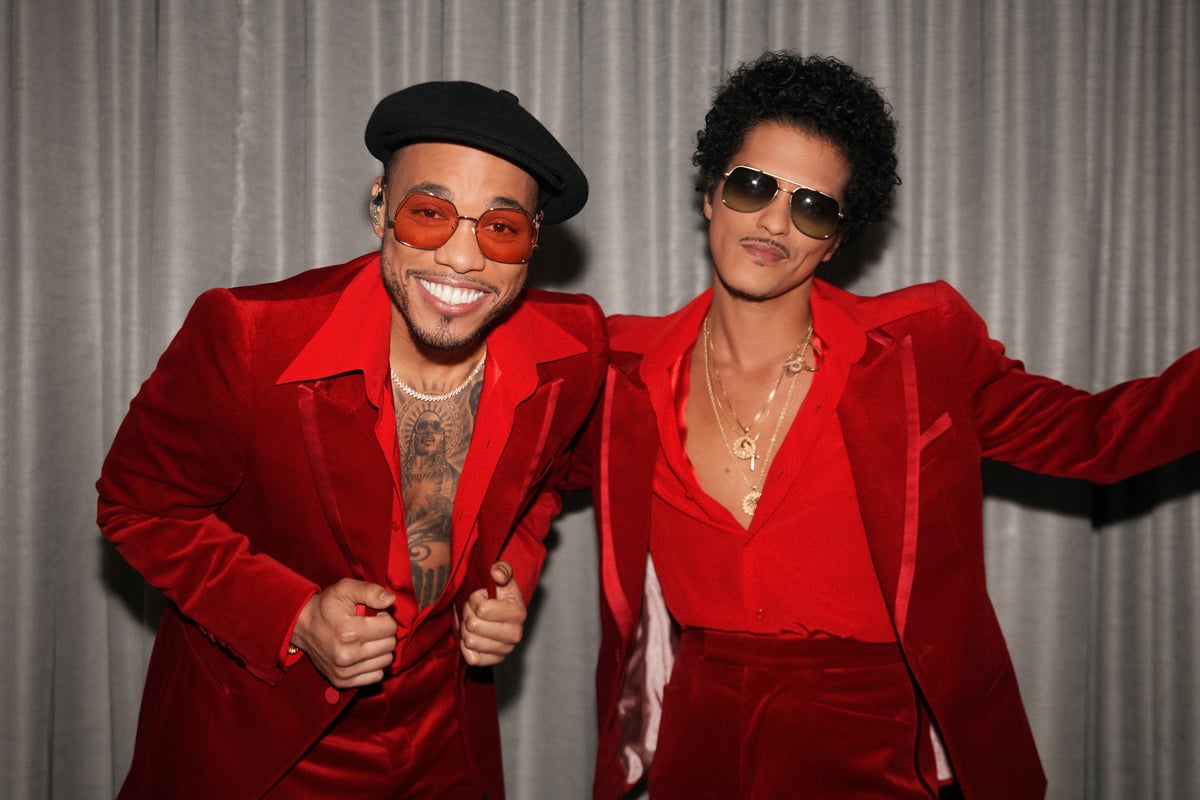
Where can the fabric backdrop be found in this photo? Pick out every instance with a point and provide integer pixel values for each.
(1051, 163)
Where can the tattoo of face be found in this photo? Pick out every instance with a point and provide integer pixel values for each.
(434, 439)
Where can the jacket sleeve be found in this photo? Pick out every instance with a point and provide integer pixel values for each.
(1040, 424)
(179, 455)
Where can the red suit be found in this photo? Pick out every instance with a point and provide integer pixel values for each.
(256, 466)
(928, 395)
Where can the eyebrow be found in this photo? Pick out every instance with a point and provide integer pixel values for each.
(438, 190)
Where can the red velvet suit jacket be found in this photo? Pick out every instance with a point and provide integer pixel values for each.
(250, 472)
(928, 396)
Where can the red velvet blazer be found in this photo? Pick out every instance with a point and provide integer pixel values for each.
(250, 472)
(929, 395)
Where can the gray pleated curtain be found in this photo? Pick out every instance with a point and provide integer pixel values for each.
(1051, 164)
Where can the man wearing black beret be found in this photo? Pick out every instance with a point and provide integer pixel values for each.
(341, 481)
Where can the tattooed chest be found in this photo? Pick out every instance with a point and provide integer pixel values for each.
(434, 436)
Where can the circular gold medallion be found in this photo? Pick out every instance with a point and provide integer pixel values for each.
(744, 447)
(750, 502)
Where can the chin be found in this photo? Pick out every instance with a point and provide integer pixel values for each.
(745, 292)
(458, 332)
(447, 339)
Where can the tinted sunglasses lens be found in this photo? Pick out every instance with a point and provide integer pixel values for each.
(427, 222)
(424, 221)
(505, 235)
(814, 214)
(747, 190)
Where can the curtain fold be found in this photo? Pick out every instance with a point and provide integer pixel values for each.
(1051, 168)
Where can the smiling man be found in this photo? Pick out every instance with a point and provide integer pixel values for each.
(341, 481)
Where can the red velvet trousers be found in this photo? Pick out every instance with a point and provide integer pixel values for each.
(400, 739)
(771, 717)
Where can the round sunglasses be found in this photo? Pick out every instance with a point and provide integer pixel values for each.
(815, 214)
(426, 222)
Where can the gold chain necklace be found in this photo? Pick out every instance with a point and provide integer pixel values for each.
(792, 367)
(437, 398)
(744, 446)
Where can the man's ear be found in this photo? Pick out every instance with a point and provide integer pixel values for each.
(537, 228)
(377, 207)
(831, 247)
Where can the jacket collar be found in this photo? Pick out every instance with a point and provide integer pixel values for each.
(860, 323)
(355, 338)
(839, 317)
(524, 340)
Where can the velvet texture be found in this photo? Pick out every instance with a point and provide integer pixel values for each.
(776, 718)
(927, 396)
(213, 490)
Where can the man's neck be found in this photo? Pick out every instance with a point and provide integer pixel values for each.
(750, 333)
(415, 362)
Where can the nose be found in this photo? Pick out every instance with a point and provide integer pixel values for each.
(461, 251)
(776, 216)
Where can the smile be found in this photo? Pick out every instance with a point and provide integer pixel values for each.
(450, 295)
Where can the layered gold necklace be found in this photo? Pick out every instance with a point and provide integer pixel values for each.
(743, 446)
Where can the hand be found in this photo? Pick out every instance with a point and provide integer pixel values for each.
(348, 649)
(492, 626)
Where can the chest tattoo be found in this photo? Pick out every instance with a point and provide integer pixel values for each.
(434, 437)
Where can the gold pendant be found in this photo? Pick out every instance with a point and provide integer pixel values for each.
(795, 365)
(750, 502)
(744, 447)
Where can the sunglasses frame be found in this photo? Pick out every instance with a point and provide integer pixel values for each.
(791, 198)
(535, 221)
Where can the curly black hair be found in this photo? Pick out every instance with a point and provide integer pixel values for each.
(821, 96)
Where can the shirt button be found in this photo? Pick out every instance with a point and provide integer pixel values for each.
(760, 614)
(332, 695)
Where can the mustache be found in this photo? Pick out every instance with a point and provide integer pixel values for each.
(775, 243)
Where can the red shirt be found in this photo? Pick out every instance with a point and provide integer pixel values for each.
(802, 567)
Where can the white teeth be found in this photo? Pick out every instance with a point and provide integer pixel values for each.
(451, 295)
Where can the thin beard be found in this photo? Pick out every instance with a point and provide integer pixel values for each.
(740, 293)
(400, 300)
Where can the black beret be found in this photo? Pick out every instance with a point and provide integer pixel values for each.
(474, 115)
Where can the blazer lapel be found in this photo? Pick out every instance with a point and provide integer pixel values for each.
(529, 358)
(881, 424)
(351, 475)
(507, 384)
(628, 472)
(880, 413)
(642, 355)
(346, 354)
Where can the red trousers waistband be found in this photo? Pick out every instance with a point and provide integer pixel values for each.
(794, 651)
